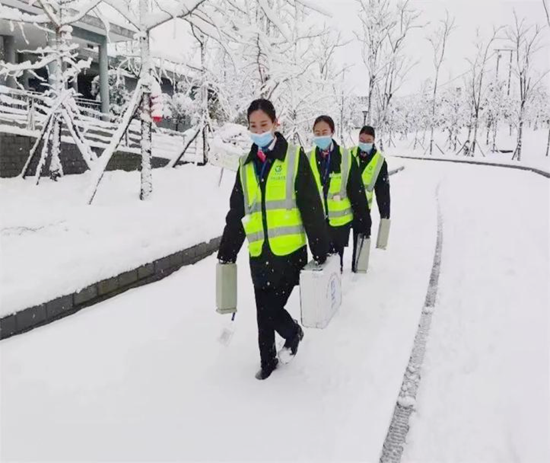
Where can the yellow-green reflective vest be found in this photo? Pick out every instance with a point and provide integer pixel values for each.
(339, 206)
(285, 231)
(371, 172)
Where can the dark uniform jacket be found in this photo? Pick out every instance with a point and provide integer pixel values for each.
(269, 270)
(382, 185)
(356, 193)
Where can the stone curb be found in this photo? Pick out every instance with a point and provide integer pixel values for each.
(479, 163)
(61, 307)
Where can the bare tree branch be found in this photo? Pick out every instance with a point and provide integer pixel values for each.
(180, 9)
(83, 10)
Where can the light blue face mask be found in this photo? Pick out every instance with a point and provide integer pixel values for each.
(262, 139)
(366, 147)
(322, 142)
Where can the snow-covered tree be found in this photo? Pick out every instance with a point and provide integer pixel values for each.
(477, 83)
(454, 112)
(385, 29)
(397, 64)
(315, 85)
(226, 24)
(417, 114)
(286, 57)
(119, 96)
(61, 56)
(495, 109)
(376, 19)
(525, 40)
(438, 40)
(144, 19)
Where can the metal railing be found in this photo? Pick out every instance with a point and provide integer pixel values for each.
(26, 111)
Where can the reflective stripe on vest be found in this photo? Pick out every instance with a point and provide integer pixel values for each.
(284, 222)
(339, 206)
(371, 172)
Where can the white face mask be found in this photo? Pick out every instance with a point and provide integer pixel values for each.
(366, 147)
(323, 142)
(262, 139)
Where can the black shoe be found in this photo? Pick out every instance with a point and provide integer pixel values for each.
(265, 371)
(290, 349)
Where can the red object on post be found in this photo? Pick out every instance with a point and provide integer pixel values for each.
(156, 103)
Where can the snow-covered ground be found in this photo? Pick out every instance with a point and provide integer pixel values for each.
(142, 377)
(484, 395)
(145, 378)
(53, 243)
(533, 150)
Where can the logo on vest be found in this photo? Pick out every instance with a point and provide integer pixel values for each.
(278, 173)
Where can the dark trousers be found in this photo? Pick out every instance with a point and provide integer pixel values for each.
(335, 249)
(355, 251)
(272, 317)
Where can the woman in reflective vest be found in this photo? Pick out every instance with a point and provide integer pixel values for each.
(374, 173)
(276, 207)
(340, 187)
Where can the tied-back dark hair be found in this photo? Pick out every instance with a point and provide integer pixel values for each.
(367, 130)
(262, 105)
(326, 119)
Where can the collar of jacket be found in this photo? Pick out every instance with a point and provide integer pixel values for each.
(278, 151)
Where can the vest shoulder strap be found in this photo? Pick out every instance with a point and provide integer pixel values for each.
(292, 159)
(378, 162)
(346, 167)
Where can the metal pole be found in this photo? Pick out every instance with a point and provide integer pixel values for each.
(10, 57)
(104, 76)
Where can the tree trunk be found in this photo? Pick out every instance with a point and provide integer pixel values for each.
(55, 163)
(474, 140)
(44, 152)
(369, 102)
(517, 154)
(56, 170)
(520, 137)
(494, 137)
(432, 122)
(548, 142)
(448, 143)
(146, 174)
(204, 103)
